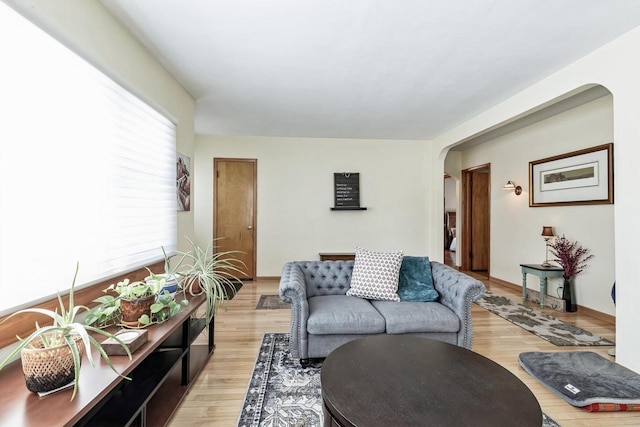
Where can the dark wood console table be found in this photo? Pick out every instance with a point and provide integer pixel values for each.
(337, 256)
(162, 370)
(405, 380)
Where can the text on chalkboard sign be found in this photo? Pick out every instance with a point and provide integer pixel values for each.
(346, 190)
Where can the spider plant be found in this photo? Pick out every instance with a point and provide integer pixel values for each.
(213, 273)
(66, 330)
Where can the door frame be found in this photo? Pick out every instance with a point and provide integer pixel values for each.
(252, 268)
(467, 215)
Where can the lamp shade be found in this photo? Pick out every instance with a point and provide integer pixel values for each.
(547, 231)
(510, 185)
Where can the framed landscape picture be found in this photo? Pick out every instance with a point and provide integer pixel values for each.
(583, 177)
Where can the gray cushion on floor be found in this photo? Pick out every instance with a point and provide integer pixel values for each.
(342, 314)
(583, 377)
(408, 317)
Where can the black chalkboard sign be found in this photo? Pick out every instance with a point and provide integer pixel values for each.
(346, 191)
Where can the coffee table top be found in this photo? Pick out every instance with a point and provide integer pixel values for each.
(407, 380)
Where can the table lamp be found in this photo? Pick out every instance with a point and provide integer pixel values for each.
(547, 234)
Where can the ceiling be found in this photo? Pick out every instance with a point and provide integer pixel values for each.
(374, 69)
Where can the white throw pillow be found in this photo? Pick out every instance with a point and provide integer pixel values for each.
(375, 275)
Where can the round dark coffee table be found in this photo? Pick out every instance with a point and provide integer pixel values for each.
(404, 380)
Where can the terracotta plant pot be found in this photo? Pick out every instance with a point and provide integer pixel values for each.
(192, 285)
(132, 309)
(47, 369)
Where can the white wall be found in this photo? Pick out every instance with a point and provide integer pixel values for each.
(88, 29)
(615, 66)
(450, 195)
(295, 194)
(516, 228)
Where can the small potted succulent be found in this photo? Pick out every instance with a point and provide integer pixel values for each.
(51, 355)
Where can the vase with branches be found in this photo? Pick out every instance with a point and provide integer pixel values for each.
(573, 258)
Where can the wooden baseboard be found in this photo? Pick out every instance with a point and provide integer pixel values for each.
(589, 311)
(598, 315)
(268, 278)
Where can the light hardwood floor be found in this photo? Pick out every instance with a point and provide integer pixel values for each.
(217, 395)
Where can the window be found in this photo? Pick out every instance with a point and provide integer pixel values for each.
(87, 171)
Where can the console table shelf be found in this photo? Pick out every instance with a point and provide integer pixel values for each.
(161, 372)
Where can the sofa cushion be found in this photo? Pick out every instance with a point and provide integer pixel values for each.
(375, 275)
(342, 314)
(415, 282)
(410, 317)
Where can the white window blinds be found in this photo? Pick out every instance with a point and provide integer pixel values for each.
(87, 170)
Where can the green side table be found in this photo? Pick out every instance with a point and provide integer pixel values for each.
(543, 273)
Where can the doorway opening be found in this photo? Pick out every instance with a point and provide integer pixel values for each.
(450, 222)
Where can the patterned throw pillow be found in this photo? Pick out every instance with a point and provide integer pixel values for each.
(375, 275)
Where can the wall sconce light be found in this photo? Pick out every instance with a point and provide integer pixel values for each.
(547, 234)
(511, 186)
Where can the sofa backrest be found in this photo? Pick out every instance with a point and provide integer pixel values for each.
(326, 277)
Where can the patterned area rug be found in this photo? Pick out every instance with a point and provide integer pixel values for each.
(271, 302)
(546, 327)
(281, 393)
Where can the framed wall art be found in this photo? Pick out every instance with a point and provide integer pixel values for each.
(583, 177)
(183, 182)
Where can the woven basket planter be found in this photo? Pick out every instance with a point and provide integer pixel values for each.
(47, 369)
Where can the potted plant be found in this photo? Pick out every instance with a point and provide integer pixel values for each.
(171, 272)
(51, 355)
(162, 309)
(213, 273)
(573, 258)
(136, 298)
(137, 304)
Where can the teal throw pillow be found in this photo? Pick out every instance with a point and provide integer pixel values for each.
(415, 282)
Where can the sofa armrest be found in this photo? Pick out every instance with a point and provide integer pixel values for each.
(294, 291)
(457, 291)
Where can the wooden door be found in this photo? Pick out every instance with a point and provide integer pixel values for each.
(235, 209)
(477, 220)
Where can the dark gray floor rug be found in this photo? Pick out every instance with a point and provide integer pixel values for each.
(282, 393)
(583, 377)
(271, 302)
(541, 324)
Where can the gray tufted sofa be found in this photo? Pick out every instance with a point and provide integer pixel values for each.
(323, 317)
